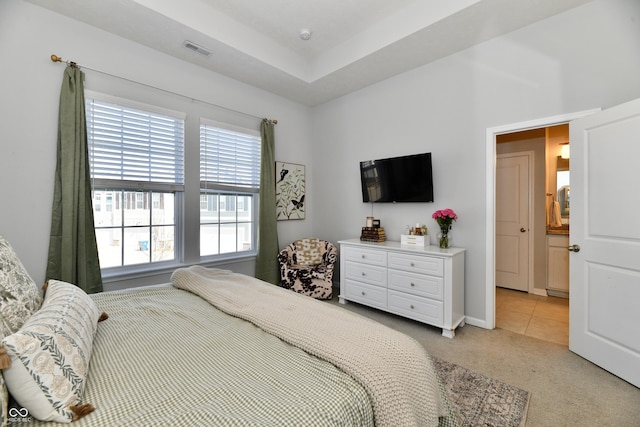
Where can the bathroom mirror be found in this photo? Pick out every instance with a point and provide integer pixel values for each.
(562, 191)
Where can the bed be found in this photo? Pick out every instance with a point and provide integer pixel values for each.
(219, 348)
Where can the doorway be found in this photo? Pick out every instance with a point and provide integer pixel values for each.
(491, 147)
(524, 176)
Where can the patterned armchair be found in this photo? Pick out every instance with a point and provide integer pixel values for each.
(306, 267)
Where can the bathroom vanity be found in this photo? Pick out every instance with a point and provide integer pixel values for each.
(558, 265)
(558, 234)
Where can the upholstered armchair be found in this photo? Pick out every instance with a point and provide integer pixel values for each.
(306, 267)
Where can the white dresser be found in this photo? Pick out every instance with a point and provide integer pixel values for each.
(421, 283)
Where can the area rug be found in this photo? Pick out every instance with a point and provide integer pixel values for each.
(478, 400)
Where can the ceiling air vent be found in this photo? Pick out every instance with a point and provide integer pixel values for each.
(196, 48)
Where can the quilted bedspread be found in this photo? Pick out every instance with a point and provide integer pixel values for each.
(166, 357)
(393, 368)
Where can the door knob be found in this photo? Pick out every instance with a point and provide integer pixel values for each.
(574, 248)
(522, 229)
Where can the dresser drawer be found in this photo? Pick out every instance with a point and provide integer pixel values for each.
(366, 273)
(416, 284)
(365, 256)
(417, 308)
(416, 264)
(366, 294)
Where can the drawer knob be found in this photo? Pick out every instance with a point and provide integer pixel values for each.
(363, 257)
(411, 306)
(363, 274)
(412, 284)
(413, 265)
(363, 293)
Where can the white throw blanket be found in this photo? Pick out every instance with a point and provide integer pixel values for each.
(394, 369)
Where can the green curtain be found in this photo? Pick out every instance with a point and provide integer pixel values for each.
(73, 251)
(267, 267)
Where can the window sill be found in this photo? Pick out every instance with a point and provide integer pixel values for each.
(163, 270)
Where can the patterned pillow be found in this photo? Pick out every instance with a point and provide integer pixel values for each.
(50, 355)
(19, 295)
(19, 299)
(308, 251)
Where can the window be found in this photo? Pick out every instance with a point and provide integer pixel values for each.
(137, 167)
(229, 184)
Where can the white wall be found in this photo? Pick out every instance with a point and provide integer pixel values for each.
(30, 85)
(586, 58)
(582, 59)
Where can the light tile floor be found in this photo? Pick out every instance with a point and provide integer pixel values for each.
(545, 318)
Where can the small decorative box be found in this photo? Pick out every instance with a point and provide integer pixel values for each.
(413, 240)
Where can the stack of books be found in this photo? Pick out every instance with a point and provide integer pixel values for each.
(373, 234)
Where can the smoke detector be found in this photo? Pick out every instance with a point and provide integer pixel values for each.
(305, 34)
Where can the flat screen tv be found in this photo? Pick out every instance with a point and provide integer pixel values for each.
(397, 179)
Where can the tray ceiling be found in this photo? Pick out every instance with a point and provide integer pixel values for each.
(354, 43)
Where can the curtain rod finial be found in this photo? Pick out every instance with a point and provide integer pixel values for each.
(56, 58)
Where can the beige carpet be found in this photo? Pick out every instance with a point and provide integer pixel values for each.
(566, 390)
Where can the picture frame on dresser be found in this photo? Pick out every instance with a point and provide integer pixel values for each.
(423, 283)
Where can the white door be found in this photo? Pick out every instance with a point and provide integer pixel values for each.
(512, 221)
(605, 225)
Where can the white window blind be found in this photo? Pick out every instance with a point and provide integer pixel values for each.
(229, 159)
(130, 145)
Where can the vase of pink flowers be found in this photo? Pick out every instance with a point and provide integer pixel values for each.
(445, 218)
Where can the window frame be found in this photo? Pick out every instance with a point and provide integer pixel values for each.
(221, 189)
(150, 187)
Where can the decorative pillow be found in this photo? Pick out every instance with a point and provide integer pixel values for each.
(50, 355)
(19, 295)
(308, 251)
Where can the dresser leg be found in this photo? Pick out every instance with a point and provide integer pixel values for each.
(449, 333)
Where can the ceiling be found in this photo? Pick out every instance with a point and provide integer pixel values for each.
(354, 43)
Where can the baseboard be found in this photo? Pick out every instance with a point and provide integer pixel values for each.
(481, 323)
(540, 292)
(559, 294)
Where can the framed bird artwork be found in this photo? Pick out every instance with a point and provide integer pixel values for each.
(290, 191)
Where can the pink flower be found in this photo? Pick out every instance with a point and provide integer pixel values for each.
(450, 213)
(446, 215)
